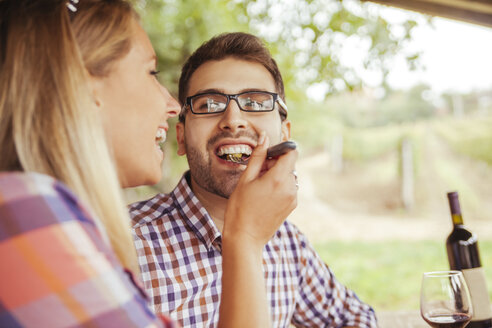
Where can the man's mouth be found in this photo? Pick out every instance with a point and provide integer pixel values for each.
(234, 153)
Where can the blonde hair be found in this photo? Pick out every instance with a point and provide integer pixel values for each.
(49, 122)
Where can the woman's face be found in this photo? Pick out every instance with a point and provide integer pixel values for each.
(135, 109)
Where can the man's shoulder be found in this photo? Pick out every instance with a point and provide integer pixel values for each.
(289, 233)
(288, 228)
(145, 211)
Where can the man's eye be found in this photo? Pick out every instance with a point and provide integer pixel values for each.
(154, 72)
(254, 105)
(213, 106)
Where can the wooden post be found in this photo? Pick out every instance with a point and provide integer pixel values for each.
(337, 153)
(458, 105)
(407, 185)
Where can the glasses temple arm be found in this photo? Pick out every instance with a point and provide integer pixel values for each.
(282, 104)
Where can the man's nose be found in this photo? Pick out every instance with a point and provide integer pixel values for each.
(233, 118)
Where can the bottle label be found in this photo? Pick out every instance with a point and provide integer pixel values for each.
(475, 279)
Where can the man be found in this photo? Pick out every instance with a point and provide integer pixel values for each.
(230, 89)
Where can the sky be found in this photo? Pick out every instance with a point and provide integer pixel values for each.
(455, 56)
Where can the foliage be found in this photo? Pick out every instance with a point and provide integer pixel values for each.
(404, 106)
(306, 37)
(470, 103)
(312, 32)
(176, 28)
(471, 137)
(313, 124)
(317, 124)
(365, 109)
(310, 36)
(388, 274)
(370, 126)
(365, 144)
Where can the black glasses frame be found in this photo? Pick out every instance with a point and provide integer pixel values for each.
(275, 96)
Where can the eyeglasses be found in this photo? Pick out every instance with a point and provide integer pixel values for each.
(72, 5)
(249, 101)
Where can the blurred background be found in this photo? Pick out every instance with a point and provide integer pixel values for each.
(391, 109)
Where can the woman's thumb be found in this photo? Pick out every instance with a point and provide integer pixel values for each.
(257, 158)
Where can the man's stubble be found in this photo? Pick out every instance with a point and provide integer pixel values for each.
(223, 182)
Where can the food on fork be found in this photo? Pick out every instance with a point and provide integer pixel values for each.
(272, 152)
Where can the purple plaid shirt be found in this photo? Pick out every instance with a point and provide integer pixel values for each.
(57, 269)
(179, 251)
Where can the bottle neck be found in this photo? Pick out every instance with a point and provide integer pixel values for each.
(454, 206)
(457, 219)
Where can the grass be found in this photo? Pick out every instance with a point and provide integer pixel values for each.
(387, 275)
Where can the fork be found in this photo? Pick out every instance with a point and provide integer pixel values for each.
(272, 152)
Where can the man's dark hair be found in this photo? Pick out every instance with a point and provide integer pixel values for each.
(239, 45)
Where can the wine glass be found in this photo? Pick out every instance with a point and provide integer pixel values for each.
(445, 300)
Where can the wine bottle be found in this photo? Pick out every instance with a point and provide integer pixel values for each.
(463, 255)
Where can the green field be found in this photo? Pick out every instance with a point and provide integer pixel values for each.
(387, 275)
(471, 137)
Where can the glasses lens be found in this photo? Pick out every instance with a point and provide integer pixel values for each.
(256, 101)
(209, 103)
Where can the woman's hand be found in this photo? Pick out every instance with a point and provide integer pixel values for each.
(264, 196)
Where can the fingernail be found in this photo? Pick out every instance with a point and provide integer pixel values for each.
(261, 139)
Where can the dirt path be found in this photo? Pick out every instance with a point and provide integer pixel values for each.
(363, 202)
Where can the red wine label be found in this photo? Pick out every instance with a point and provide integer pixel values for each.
(475, 279)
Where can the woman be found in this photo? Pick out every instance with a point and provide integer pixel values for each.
(81, 115)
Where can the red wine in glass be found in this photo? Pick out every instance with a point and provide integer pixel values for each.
(457, 320)
(445, 299)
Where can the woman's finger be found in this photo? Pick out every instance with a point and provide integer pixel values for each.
(257, 158)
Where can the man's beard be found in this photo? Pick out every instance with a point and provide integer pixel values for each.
(221, 183)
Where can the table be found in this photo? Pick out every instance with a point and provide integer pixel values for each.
(401, 319)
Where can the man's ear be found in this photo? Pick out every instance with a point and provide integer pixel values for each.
(285, 130)
(180, 137)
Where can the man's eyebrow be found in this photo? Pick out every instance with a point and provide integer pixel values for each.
(213, 90)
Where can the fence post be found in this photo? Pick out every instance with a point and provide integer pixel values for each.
(407, 185)
(458, 105)
(337, 153)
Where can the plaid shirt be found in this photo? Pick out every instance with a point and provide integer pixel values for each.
(56, 269)
(179, 251)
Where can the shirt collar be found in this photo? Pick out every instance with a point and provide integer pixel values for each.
(196, 216)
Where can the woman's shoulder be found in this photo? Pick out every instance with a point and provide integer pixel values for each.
(51, 247)
(30, 201)
(15, 185)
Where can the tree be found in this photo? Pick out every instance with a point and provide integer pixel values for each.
(306, 37)
(176, 28)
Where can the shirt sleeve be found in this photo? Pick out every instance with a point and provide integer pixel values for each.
(325, 302)
(57, 270)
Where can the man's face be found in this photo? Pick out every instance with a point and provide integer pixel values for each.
(205, 138)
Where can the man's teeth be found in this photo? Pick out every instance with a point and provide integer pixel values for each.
(160, 136)
(236, 149)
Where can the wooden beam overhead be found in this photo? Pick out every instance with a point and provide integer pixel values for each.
(471, 11)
